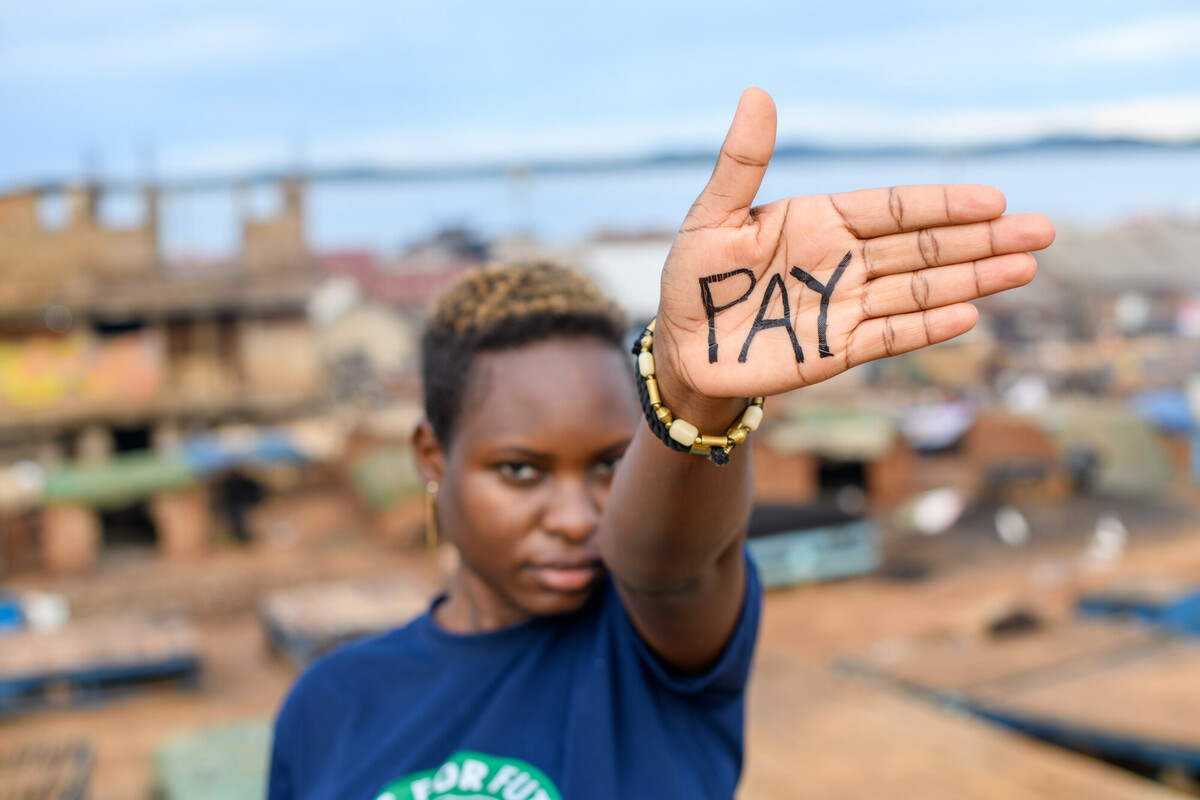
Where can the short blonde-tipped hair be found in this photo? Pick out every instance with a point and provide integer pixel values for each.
(499, 307)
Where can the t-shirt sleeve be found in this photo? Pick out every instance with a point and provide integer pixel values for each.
(292, 741)
(729, 674)
(279, 775)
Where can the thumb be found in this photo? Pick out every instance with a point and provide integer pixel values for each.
(747, 148)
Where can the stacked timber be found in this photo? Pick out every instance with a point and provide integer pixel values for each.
(46, 771)
(93, 660)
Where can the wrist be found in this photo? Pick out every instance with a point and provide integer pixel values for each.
(705, 412)
(672, 427)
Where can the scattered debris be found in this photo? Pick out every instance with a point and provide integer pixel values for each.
(932, 513)
(1108, 541)
(1011, 526)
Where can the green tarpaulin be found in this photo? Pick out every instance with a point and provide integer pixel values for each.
(118, 481)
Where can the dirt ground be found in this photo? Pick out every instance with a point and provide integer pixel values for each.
(959, 580)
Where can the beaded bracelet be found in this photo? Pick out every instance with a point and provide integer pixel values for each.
(679, 434)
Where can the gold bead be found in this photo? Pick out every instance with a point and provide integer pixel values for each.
(652, 390)
(712, 441)
(647, 343)
(664, 414)
(738, 435)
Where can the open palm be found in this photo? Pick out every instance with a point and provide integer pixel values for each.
(757, 301)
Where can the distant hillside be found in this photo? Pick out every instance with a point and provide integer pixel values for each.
(995, 148)
(375, 173)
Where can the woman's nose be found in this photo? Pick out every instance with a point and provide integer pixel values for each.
(572, 511)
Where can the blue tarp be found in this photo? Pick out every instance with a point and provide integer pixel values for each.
(11, 617)
(1166, 409)
(1179, 613)
(208, 454)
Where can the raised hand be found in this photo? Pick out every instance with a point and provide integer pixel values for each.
(761, 300)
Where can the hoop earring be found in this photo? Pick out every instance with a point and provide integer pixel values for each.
(431, 522)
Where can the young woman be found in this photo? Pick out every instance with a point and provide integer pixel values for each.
(596, 639)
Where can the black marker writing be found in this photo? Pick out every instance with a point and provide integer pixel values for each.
(761, 323)
(712, 309)
(826, 291)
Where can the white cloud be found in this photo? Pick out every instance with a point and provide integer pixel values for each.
(156, 52)
(1144, 42)
(1165, 119)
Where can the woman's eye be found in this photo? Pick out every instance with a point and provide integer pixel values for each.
(605, 468)
(519, 471)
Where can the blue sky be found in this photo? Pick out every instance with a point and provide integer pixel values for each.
(218, 86)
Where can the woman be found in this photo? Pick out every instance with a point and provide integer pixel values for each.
(596, 638)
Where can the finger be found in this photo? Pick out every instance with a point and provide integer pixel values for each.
(943, 286)
(931, 247)
(878, 212)
(747, 148)
(902, 333)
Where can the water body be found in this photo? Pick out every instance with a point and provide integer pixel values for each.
(1087, 187)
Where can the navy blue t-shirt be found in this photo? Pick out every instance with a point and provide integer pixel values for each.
(573, 706)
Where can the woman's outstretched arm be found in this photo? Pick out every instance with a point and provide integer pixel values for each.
(762, 300)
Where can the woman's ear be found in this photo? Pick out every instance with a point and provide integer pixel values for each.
(428, 452)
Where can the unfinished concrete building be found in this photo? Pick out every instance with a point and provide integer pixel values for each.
(107, 350)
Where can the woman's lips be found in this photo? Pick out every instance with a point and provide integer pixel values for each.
(567, 577)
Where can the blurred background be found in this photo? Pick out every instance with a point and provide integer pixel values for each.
(220, 224)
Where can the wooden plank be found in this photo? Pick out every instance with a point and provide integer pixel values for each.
(1122, 691)
(816, 736)
(1156, 699)
(1112, 687)
(813, 734)
(957, 663)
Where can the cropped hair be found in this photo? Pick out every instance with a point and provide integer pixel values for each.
(501, 307)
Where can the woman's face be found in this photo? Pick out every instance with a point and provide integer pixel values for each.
(527, 475)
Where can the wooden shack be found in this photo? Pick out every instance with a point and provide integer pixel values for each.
(822, 450)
